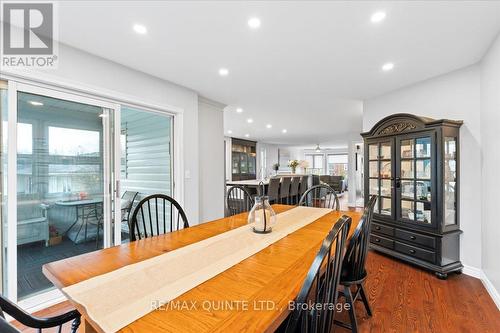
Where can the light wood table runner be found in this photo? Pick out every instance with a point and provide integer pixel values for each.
(116, 299)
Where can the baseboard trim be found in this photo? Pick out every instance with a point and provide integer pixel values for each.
(491, 289)
(472, 271)
(479, 274)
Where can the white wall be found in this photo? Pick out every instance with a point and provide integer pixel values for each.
(211, 146)
(454, 96)
(271, 158)
(85, 70)
(490, 185)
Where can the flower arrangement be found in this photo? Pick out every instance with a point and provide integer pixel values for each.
(303, 164)
(293, 165)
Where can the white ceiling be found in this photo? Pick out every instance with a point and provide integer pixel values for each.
(305, 69)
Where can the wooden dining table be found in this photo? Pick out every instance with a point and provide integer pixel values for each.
(251, 296)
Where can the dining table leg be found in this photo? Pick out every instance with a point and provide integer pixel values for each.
(86, 326)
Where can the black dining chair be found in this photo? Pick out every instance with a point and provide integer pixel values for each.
(8, 307)
(273, 189)
(353, 268)
(294, 190)
(238, 200)
(155, 215)
(311, 310)
(322, 196)
(285, 190)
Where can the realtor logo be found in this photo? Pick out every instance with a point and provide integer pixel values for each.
(28, 34)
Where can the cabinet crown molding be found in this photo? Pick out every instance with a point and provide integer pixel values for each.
(405, 122)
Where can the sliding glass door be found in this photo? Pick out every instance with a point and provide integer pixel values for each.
(73, 169)
(59, 195)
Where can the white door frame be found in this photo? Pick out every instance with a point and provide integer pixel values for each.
(116, 149)
(13, 89)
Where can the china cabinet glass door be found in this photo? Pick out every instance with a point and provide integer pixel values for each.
(381, 176)
(414, 181)
(236, 162)
(450, 180)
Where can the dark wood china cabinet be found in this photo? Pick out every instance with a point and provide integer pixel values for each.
(243, 159)
(412, 166)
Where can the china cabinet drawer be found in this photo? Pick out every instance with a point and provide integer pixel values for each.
(382, 229)
(416, 238)
(382, 241)
(415, 252)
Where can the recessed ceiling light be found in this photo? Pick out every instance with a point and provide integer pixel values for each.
(254, 23)
(249, 120)
(388, 66)
(283, 130)
(229, 132)
(378, 17)
(35, 103)
(140, 29)
(223, 72)
(247, 135)
(269, 126)
(239, 110)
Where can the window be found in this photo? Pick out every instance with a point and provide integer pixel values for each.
(73, 142)
(316, 164)
(337, 165)
(74, 160)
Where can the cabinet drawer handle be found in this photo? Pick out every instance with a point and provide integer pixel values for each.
(412, 251)
(413, 237)
(377, 228)
(377, 240)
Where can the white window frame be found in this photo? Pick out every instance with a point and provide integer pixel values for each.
(313, 166)
(336, 154)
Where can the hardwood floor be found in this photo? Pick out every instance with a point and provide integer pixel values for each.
(408, 299)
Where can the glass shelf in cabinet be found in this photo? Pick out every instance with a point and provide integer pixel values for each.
(408, 209)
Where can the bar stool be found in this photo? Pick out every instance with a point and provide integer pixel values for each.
(294, 190)
(273, 190)
(285, 189)
(303, 185)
